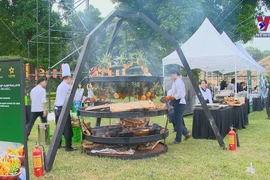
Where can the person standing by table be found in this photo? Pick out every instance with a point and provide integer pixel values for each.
(231, 85)
(243, 86)
(206, 92)
(224, 84)
(90, 93)
(267, 105)
(38, 104)
(178, 101)
(61, 94)
(78, 97)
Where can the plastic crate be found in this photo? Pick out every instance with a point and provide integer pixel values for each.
(77, 135)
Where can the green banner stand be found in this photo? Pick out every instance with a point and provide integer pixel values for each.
(12, 114)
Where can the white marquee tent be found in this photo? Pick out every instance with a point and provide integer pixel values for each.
(206, 50)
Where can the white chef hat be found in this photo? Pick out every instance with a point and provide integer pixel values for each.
(65, 70)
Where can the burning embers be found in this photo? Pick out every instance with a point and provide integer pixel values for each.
(126, 128)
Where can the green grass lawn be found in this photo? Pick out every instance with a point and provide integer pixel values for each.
(192, 159)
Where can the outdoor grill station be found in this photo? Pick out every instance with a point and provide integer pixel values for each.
(154, 132)
(133, 137)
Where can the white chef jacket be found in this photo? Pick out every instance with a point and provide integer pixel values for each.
(78, 95)
(178, 90)
(207, 95)
(61, 93)
(38, 97)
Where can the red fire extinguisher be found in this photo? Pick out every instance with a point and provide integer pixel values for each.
(232, 140)
(38, 162)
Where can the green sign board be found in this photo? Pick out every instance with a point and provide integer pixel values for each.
(249, 89)
(12, 111)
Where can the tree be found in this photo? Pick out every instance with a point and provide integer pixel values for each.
(266, 53)
(255, 53)
(181, 18)
(18, 25)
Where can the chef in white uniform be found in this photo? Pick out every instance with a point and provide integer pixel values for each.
(206, 92)
(61, 94)
(38, 104)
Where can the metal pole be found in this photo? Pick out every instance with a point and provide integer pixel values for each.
(235, 84)
(49, 53)
(66, 57)
(28, 51)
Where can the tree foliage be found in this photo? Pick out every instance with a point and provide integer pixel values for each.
(19, 25)
(255, 53)
(266, 53)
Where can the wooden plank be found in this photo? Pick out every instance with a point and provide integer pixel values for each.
(124, 107)
(90, 108)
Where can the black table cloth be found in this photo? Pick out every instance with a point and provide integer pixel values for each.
(27, 113)
(240, 117)
(201, 128)
(257, 104)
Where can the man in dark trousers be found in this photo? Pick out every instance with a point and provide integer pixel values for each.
(178, 101)
(38, 104)
(61, 94)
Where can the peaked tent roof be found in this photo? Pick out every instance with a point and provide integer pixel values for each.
(206, 50)
(245, 53)
(251, 65)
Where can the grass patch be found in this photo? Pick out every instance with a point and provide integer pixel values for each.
(192, 159)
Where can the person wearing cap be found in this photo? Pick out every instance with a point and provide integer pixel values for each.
(38, 104)
(61, 94)
(178, 101)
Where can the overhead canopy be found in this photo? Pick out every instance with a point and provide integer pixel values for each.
(206, 50)
(246, 54)
(251, 65)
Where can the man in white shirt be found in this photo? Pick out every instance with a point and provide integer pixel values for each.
(61, 94)
(38, 106)
(178, 101)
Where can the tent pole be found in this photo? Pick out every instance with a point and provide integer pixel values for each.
(212, 79)
(163, 72)
(247, 86)
(235, 85)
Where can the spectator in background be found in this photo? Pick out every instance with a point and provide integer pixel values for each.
(38, 106)
(243, 86)
(231, 85)
(224, 84)
(78, 97)
(90, 93)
